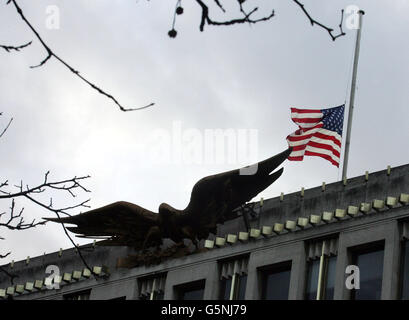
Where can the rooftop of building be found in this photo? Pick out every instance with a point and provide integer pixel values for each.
(323, 209)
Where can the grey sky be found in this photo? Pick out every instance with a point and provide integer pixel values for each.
(240, 77)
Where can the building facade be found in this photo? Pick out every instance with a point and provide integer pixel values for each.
(345, 240)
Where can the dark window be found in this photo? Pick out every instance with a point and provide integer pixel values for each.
(152, 288)
(193, 294)
(276, 282)
(238, 291)
(404, 271)
(370, 264)
(233, 272)
(225, 289)
(312, 280)
(327, 278)
(329, 287)
(191, 291)
(80, 295)
(158, 295)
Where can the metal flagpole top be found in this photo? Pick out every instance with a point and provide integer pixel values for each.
(352, 96)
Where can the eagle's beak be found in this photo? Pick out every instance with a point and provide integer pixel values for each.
(267, 166)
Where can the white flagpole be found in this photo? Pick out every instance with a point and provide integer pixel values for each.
(352, 96)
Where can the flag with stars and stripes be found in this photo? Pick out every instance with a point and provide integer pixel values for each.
(319, 134)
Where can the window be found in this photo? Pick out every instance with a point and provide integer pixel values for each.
(226, 289)
(191, 291)
(233, 288)
(275, 281)
(233, 279)
(80, 295)
(321, 269)
(152, 288)
(329, 274)
(370, 263)
(312, 280)
(404, 273)
(404, 267)
(324, 280)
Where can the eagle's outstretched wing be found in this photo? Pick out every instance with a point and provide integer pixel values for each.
(214, 198)
(120, 223)
(212, 201)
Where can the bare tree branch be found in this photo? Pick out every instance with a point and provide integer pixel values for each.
(51, 54)
(57, 212)
(313, 21)
(16, 220)
(219, 5)
(247, 17)
(11, 48)
(5, 183)
(21, 224)
(4, 255)
(67, 185)
(5, 129)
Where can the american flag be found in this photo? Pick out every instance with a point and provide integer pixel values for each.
(319, 134)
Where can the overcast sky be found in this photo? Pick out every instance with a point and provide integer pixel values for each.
(244, 78)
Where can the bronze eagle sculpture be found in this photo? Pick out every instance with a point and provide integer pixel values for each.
(213, 201)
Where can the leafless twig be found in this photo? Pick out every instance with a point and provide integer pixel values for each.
(67, 185)
(248, 17)
(21, 224)
(219, 5)
(15, 48)
(50, 54)
(313, 21)
(5, 129)
(16, 221)
(2, 256)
